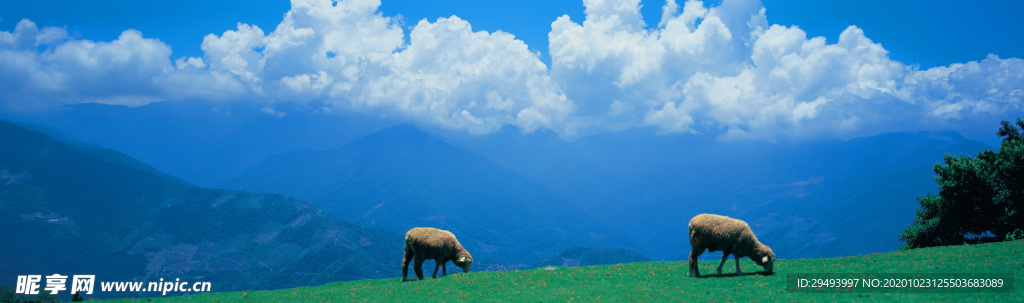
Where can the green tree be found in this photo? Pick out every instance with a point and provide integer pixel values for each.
(7, 295)
(981, 199)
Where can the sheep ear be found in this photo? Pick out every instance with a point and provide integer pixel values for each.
(764, 259)
(463, 259)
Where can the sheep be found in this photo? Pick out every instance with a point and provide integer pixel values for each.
(430, 243)
(731, 236)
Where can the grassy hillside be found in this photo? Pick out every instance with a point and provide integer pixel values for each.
(668, 282)
(588, 256)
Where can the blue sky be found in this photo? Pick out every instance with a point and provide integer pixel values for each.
(928, 33)
(723, 68)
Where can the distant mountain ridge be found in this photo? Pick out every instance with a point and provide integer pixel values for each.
(200, 141)
(72, 209)
(403, 177)
(808, 197)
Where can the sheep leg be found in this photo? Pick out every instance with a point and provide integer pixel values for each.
(738, 271)
(444, 268)
(418, 266)
(437, 264)
(725, 256)
(405, 263)
(694, 253)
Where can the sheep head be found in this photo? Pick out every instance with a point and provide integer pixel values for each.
(767, 259)
(464, 261)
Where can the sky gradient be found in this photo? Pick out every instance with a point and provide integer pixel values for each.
(737, 69)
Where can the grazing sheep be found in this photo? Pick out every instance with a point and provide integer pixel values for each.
(430, 243)
(731, 236)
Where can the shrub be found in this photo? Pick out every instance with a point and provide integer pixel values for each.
(980, 199)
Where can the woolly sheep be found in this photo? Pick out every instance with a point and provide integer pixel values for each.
(430, 243)
(731, 236)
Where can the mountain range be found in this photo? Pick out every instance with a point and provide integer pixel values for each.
(811, 199)
(202, 142)
(71, 208)
(520, 197)
(815, 198)
(402, 177)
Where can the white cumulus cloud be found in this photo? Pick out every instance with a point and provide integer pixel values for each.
(461, 79)
(720, 70)
(726, 70)
(45, 68)
(347, 55)
(990, 86)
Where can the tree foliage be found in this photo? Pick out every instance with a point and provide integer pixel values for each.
(981, 198)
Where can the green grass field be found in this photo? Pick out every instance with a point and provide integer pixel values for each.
(668, 281)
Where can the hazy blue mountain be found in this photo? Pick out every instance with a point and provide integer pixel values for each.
(807, 199)
(813, 198)
(202, 142)
(402, 177)
(75, 209)
(542, 155)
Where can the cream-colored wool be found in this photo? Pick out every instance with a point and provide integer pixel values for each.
(424, 243)
(731, 236)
